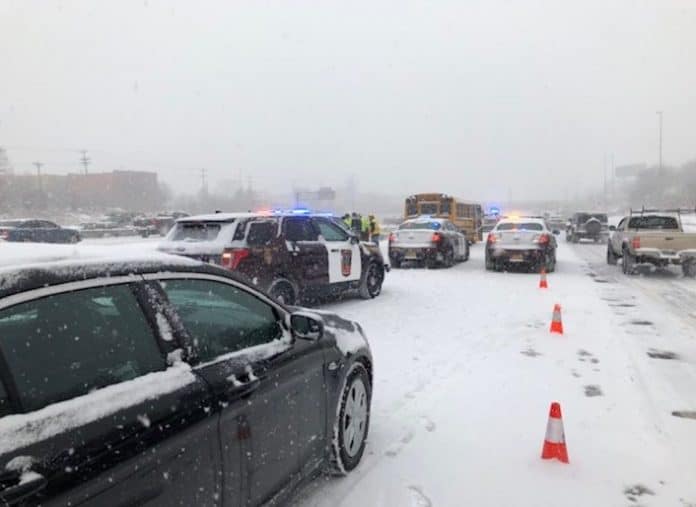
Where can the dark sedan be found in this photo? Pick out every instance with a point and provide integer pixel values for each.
(37, 231)
(432, 241)
(165, 381)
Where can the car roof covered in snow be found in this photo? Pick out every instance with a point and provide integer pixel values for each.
(216, 217)
(517, 220)
(424, 219)
(29, 266)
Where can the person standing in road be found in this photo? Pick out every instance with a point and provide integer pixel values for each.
(356, 224)
(364, 228)
(375, 230)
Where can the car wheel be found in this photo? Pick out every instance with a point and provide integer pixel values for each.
(430, 263)
(353, 420)
(395, 263)
(689, 268)
(371, 282)
(575, 239)
(448, 258)
(611, 256)
(628, 263)
(467, 253)
(74, 239)
(283, 292)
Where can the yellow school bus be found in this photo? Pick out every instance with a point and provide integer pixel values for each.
(466, 215)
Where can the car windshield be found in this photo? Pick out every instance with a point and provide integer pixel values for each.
(420, 225)
(363, 253)
(519, 226)
(196, 231)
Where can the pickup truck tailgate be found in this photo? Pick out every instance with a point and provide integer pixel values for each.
(666, 241)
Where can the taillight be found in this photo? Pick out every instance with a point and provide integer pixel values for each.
(392, 237)
(635, 242)
(436, 238)
(492, 238)
(543, 239)
(4, 234)
(231, 257)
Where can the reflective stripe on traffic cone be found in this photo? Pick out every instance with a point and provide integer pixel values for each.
(556, 322)
(554, 442)
(542, 281)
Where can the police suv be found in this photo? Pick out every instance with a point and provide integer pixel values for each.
(292, 255)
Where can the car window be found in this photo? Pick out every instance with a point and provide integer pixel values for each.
(66, 345)
(44, 224)
(521, 226)
(300, 229)
(262, 233)
(621, 224)
(221, 318)
(653, 222)
(420, 225)
(196, 231)
(329, 231)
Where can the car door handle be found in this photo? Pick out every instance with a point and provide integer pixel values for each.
(24, 490)
(334, 250)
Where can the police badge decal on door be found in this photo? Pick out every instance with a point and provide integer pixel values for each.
(346, 260)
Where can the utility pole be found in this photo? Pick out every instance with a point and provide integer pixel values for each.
(38, 166)
(204, 182)
(659, 115)
(605, 179)
(85, 160)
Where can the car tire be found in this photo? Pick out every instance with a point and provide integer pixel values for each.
(628, 262)
(612, 260)
(467, 253)
(575, 239)
(448, 258)
(352, 421)
(371, 281)
(395, 263)
(282, 291)
(689, 268)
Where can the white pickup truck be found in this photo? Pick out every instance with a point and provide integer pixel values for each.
(654, 237)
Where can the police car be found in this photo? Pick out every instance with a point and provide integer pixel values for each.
(293, 255)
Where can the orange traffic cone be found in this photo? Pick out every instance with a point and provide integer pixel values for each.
(542, 281)
(556, 322)
(554, 442)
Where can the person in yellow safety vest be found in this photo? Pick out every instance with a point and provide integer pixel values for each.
(364, 228)
(375, 230)
(346, 220)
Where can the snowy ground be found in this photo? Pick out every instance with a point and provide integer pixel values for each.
(465, 370)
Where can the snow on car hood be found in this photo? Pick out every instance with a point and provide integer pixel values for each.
(21, 430)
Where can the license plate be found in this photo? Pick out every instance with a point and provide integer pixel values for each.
(517, 258)
(411, 253)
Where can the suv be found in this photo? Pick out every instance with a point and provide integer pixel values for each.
(292, 256)
(594, 226)
(165, 381)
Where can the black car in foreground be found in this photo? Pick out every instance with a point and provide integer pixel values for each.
(37, 231)
(166, 381)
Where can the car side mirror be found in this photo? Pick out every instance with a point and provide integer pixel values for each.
(306, 327)
(612, 228)
(354, 239)
(556, 232)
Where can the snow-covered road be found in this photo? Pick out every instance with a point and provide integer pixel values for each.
(465, 370)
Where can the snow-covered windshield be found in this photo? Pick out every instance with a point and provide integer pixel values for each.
(196, 231)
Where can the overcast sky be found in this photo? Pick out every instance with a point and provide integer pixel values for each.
(469, 97)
